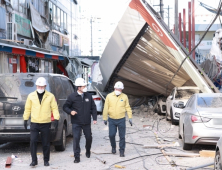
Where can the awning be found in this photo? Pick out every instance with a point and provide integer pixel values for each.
(37, 21)
(28, 52)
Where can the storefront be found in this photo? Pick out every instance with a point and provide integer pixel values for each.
(14, 59)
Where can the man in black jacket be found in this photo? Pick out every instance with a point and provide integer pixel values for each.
(81, 106)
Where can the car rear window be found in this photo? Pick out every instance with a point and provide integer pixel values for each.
(92, 92)
(18, 87)
(207, 102)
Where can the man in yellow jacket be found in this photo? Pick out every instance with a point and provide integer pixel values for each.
(116, 106)
(40, 104)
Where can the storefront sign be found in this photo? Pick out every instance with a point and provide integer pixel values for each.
(23, 26)
(12, 60)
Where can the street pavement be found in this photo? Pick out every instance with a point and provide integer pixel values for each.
(141, 133)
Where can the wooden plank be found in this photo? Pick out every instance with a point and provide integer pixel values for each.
(158, 146)
(179, 154)
(207, 153)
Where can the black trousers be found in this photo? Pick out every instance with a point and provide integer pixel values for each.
(45, 129)
(121, 125)
(76, 130)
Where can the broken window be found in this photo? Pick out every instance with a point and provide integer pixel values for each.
(185, 93)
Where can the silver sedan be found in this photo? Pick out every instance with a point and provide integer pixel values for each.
(201, 120)
(217, 160)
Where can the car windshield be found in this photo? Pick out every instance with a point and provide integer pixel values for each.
(207, 102)
(17, 87)
(185, 93)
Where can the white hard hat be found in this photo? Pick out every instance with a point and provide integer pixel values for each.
(119, 85)
(41, 81)
(80, 82)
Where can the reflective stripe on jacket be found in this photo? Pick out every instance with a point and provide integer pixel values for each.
(41, 113)
(116, 107)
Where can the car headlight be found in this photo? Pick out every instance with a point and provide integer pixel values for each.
(177, 114)
(179, 105)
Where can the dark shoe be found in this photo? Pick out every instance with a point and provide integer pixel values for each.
(122, 154)
(88, 154)
(46, 163)
(77, 160)
(113, 150)
(34, 163)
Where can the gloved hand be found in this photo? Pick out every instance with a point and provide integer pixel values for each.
(105, 122)
(25, 124)
(130, 121)
(56, 122)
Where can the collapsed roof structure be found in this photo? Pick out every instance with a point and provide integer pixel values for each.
(144, 54)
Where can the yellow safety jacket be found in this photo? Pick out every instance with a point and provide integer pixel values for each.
(41, 113)
(116, 107)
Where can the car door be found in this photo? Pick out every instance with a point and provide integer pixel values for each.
(183, 115)
(169, 101)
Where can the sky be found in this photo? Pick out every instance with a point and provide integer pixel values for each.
(112, 10)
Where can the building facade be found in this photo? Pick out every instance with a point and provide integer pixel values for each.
(38, 35)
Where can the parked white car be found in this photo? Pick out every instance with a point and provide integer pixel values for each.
(217, 159)
(162, 105)
(178, 97)
(97, 99)
(200, 120)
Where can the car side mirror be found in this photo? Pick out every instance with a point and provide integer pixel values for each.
(171, 97)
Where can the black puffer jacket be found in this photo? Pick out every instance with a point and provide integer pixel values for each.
(85, 107)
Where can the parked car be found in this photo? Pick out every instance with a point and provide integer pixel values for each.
(97, 99)
(161, 105)
(14, 89)
(217, 159)
(200, 120)
(178, 97)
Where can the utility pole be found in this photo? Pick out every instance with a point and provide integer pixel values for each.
(91, 38)
(161, 8)
(168, 15)
(176, 18)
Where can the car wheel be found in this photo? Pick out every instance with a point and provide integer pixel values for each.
(62, 141)
(171, 116)
(217, 161)
(185, 145)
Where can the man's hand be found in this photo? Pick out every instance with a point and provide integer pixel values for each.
(73, 113)
(56, 122)
(94, 122)
(105, 122)
(130, 121)
(25, 124)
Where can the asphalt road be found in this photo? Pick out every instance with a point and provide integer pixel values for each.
(101, 148)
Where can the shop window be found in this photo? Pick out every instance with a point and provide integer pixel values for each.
(58, 16)
(15, 4)
(33, 65)
(54, 14)
(39, 6)
(62, 20)
(55, 39)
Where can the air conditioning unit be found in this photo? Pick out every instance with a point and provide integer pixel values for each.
(26, 41)
(12, 31)
(66, 48)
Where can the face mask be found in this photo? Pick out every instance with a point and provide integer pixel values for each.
(85, 89)
(40, 90)
(117, 92)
